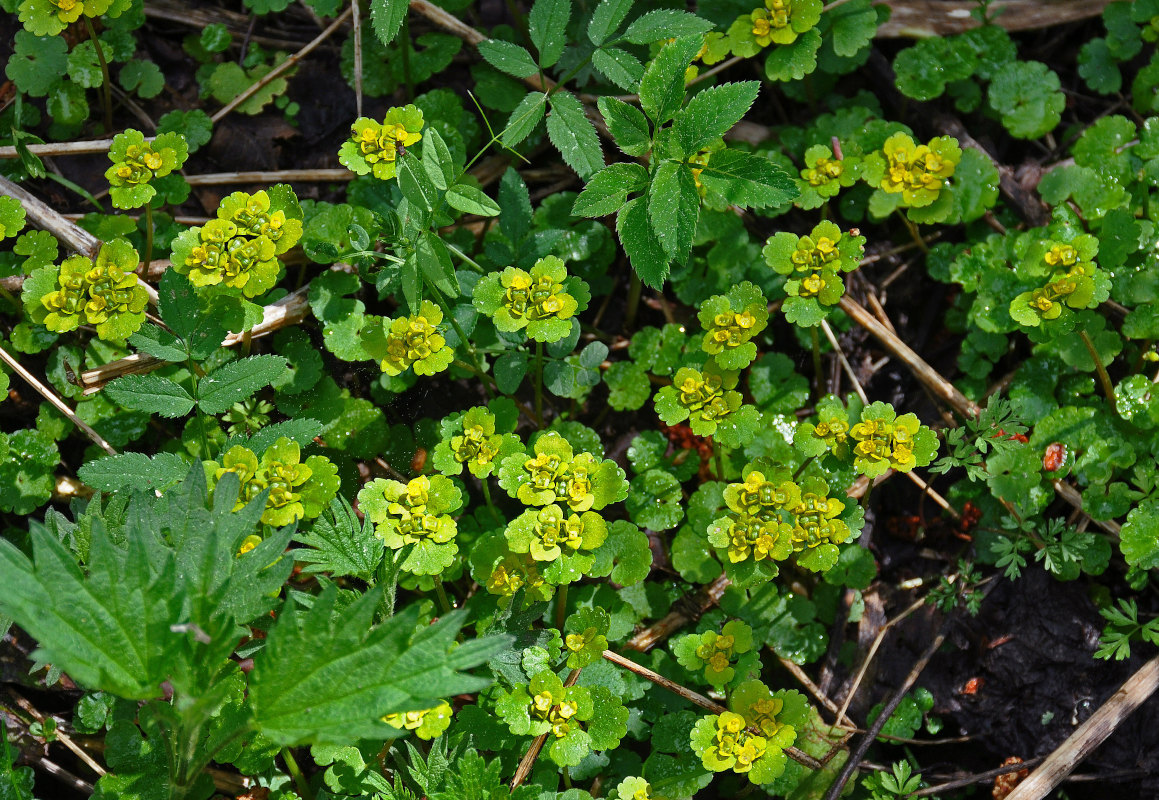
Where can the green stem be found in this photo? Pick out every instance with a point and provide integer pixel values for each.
(816, 337)
(490, 505)
(466, 258)
(106, 84)
(299, 779)
(1104, 378)
(913, 232)
(561, 607)
(539, 382)
(634, 290)
(404, 40)
(148, 235)
(566, 774)
(718, 454)
(444, 603)
(466, 342)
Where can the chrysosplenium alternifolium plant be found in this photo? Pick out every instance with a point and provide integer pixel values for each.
(541, 301)
(414, 341)
(374, 148)
(137, 163)
(297, 489)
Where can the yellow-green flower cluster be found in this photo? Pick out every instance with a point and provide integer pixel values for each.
(50, 17)
(730, 322)
(879, 441)
(704, 398)
(137, 162)
(415, 513)
(918, 172)
(717, 654)
(375, 147)
(297, 489)
(543, 300)
(413, 341)
(240, 248)
(104, 293)
(1072, 281)
(779, 22)
(750, 739)
(426, 724)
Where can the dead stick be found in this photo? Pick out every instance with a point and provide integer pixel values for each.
(877, 640)
(970, 780)
(67, 231)
(696, 698)
(64, 148)
(895, 700)
(528, 760)
(56, 402)
(285, 65)
(1133, 693)
(65, 739)
(273, 176)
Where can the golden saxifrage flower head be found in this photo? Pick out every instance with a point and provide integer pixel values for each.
(413, 341)
(297, 489)
(415, 513)
(104, 293)
(136, 163)
(542, 300)
(917, 172)
(374, 148)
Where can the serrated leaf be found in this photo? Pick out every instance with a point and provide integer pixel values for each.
(415, 184)
(328, 676)
(607, 17)
(524, 118)
(547, 26)
(387, 17)
(151, 393)
(619, 66)
(339, 543)
(471, 200)
(574, 135)
(627, 124)
(853, 26)
(606, 192)
(665, 23)
(712, 113)
(236, 381)
(748, 180)
(640, 243)
(673, 208)
(662, 87)
(135, 470)
(508, 57)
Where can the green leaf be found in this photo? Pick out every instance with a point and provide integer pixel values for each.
(608, 16)
(748, 179)
(327, 677)
(508, 57)
(183, 313)
(628, 386)
(37, 63)
(236, 381)
(524, 118)
(144, 77)
(340, 544)
(619, 66)
(607, 190)
(666, 23)
(1098, 67)
(415, 184)
(151, 393)
(853, 26)
(673, 208)
(1026, 95)
(640, 243)
(387, 16)
(195, 125)
(1140, 536)
(627, 124)
(792, 62)
(134, 470)
(573, 134)
(712, 113)
(662, 87)
(509, 369)
(547, 26)
(471, 200)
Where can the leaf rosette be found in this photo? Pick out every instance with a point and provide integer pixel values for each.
(375, 147)
(542, 300)
(416, 513)
(297, 489)
(472, 440)
(137, 162)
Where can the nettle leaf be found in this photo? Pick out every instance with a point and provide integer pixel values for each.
(387, 17)
(151, 393)
(341, 544)
(181, 310)
(674, 208)
(236, 381)
(573, 134)
(508, 57)
(662, 87)
(328, 677)
(665, 24)
(607, 190)
(547, 26)
(712, 113)
(640, 243)
(608, 16)
(748, 179)
(627, 124)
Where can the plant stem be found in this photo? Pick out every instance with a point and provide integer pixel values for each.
(913, 232)
(1104, 378)
(470, 262)
(296, 774)
(490, 505)
(466, 342)
(561, 607)
(634, 290)
(444, 603)
(148, 234)
(106, 85)
(816, 338)
(539, 382)
(718, 454)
